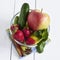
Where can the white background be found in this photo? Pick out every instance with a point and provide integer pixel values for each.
(52, 50)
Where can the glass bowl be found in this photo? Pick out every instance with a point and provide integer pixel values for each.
(12, 21)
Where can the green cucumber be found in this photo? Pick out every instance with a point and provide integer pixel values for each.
(16, 20)
(23, 15)
(40, 46)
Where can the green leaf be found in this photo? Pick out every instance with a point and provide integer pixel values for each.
(42, 43)
(45, 35)
(41, 34)
(38, 33)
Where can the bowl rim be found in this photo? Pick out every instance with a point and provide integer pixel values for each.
(11, 22)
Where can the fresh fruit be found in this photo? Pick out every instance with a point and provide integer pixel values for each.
(27, 32)
(14, 27)
(23, 15)
(19, 36)
(30, 41)
(30, 28)
(38, 20)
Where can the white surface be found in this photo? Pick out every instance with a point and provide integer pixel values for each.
(6, 13)
(52, 50)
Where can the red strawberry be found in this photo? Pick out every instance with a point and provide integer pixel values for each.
(19, 36)
(26, 32)
(30, 41)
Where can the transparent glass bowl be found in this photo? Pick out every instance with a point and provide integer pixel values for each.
(12, 21)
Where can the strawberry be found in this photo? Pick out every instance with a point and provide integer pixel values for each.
(19, 36)
(30, 41)
(26, 32)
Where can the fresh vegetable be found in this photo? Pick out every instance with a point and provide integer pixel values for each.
(38, 20)
(40, 46)
(23, 15)
(41, 34)
(30, 41)
(35, 38)
(45, 34)
(17, 46)
(38, 34)
(16, 20)
(26, 32)
(19, 36)
(24, 48)
(14, 27)
(30, 28)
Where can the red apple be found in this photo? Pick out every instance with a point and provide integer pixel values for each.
(38, 20)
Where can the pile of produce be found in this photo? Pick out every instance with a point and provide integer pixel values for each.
(31, 28)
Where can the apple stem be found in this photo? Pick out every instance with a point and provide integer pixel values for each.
(41, 10)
